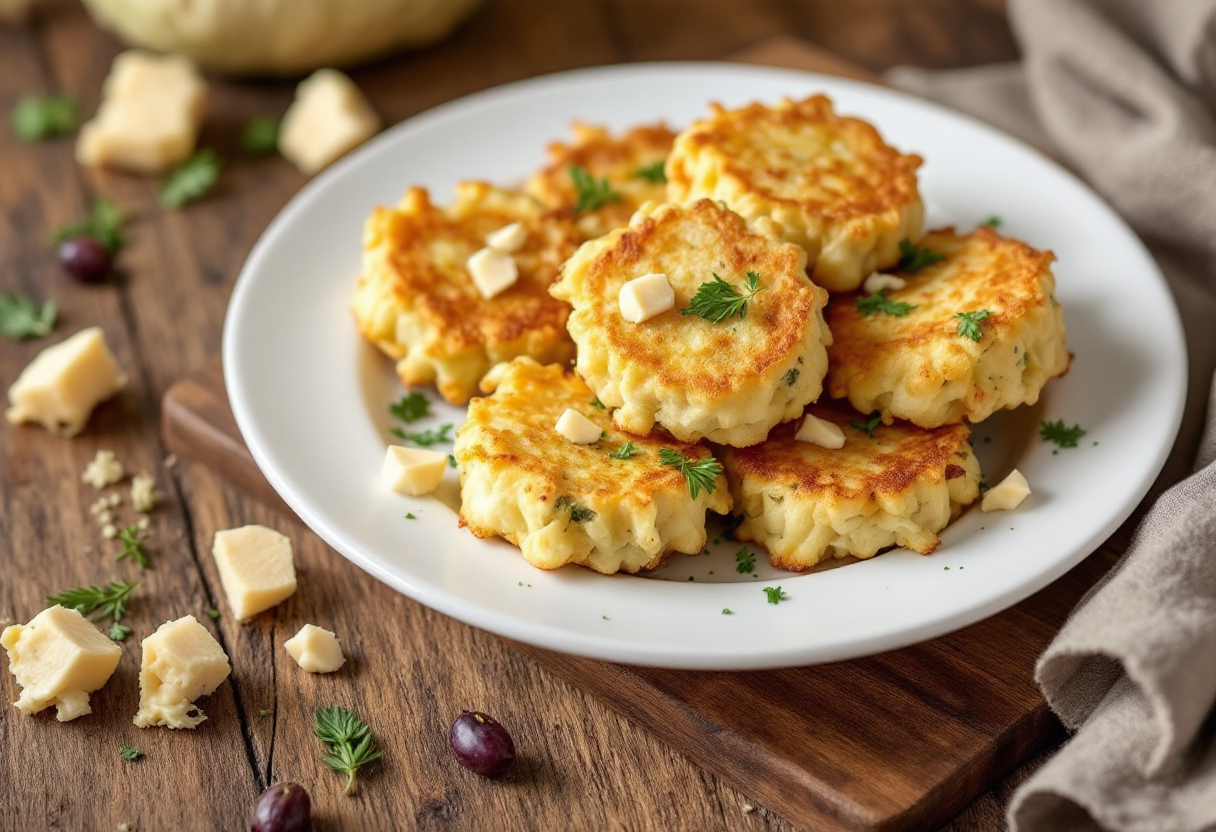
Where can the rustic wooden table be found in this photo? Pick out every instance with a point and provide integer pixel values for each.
(411, 670)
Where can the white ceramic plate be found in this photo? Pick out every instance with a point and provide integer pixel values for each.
(310, 396)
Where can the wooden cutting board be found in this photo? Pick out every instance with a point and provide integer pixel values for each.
(903, 740)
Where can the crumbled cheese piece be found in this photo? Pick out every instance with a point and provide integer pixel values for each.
(105, 469)
(181, 662)
(170, 461)
(105, 518)
(256, 569)
(1008, 494)
(143, 493)
(819, 432)
(412, 471)
(578, 428)
(878, 281)
(328, 118)
(64, 382)
(99, 506)
(644, 297)
(748, 808)
(143, 524)
(315, 649)
(114, 500)
(124, 827)
(109, 531)
(492, 271)
(150, 114)
(508, 239)
(59, 658)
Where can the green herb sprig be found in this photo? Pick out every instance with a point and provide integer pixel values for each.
(412, 407)
(39, 117)
(993, 222)
(745, 561)
(348, 740)
(192, 179)
(425, 438)
(969, 323)
(109, 602)
(871, 305)
(716, 300)
(652, 173)
(592, 193)
(260, 136)
(626, 451)
(699, 473)
(867, 427)
(105, 223)
(1058, 432)
(22, 318)
(130, 753)
(775, 594)
(913, 258)
(131, 538)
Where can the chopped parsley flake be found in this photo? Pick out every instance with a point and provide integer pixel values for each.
(597, 404)
(260, 136)
(1065, 437)
(412, 407)
(913, 258)
(871, 305)
(626, 451)
(214, 613)
(993, 222)
(192, 179)
(745, 561)
(699, 473)
(868, 427)
(791, 376)
(39, 117)
(425, 438)
(775, 594)
(451, 460)
(130, 753)
(579, 513)
(969, 323)
(652, 173)
(410, 516)
(726, 611)
(716, 300)
(592, 193)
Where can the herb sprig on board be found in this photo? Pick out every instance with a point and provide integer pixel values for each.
(22, 318)
(348, 740)
(110, 601)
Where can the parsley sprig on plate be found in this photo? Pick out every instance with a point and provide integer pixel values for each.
(425, 438)
(1062, 435)
(699, 473)
(411, 407)
(716, 300)
(349, 742)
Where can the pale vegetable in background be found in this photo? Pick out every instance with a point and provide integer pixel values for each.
(279, 37)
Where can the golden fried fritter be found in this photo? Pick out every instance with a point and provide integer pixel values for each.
(632, 164)
(728, 382)
(416, 301)
(923, 365)
(829, 181)
(561, 502)
(805, 503)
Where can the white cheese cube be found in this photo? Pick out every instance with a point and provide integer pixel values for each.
(64, 382)
(492, 271)
(819, 432)
(508, 239)
(59, 658)
(329, 117)
(315, 649)
(644, 297)
(878, 281)
(181, 662)
(255, 567)
(412, 471)
(143, 493)
(103, 470)
(1008, 494)
(578, 428)
(150, 113)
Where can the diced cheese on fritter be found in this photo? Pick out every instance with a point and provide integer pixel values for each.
(728, 382)
(630, 163)
(561, 502)
(417, 301)
(805, 503)
(923, 365)
(829, 181)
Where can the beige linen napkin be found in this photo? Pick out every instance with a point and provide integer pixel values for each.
(1124, 92)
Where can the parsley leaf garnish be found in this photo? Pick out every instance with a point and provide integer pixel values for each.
(21, 318)
(260, 136)
(579, 513)
(791, 377)
(110, 602)
(592, 193)
(867, 427)
(131, 538)
(411, 408)
(1065, 437)
(425, 438)
(597, 404)
(717, 300)
(700, 473)
(214, 613)
(775, 594)
(993, 222)
(726, 611)
(130, 753)
(745, 561)
(913, 258)
(192, 179)
(349, 742)
(969, 323)
(39, 117)
(626, 451)
(104, 222)
(652, 173)
(871, 305)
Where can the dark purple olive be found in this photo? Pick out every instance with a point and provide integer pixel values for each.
(481, 744)
(284, 807)
(85, 258)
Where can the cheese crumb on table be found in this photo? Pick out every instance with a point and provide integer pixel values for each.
(150, 114)
(1008, 494)
(256, 569)
(59, 658)
(644, 297)
(328, 118)
(315, 649)
(103, 470)
(143, 493)
(412, 471)
(181, 662)
(64, 382)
